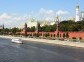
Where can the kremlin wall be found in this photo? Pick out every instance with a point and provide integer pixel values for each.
(56, 34)
(71, 35)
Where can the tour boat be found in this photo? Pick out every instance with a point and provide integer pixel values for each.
(17, 40)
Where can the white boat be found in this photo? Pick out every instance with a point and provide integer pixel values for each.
(17, 40)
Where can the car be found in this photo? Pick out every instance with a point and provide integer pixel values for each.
(17, 40)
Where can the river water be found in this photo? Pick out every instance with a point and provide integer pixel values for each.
(38, 52)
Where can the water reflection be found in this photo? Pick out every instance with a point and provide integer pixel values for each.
(16, 45)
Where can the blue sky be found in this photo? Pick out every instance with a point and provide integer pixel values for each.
(24, 8)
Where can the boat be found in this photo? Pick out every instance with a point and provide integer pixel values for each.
(17, 40)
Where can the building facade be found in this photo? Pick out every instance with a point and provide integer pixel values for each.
(82, 15)
(77, 18)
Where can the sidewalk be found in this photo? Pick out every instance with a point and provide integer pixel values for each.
(67, 43)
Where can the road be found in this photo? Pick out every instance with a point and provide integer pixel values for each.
(38, 52)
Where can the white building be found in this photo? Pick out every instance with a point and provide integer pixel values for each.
(43, 23)
(82, 15)
(77, 14)
(32, 23)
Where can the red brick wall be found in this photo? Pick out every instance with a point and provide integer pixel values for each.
(71, 34)
(76, 34)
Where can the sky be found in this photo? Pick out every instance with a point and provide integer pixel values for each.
(14, 13)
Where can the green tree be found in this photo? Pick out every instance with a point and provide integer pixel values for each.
(64, 35)
(47, 28)
(39, 27)
(32, 29)
(58, 34)
(28, 29)
(6, 30)
(67, 35)
(14, 30)
(71, 26)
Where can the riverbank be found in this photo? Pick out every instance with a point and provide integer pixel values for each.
(67, 43)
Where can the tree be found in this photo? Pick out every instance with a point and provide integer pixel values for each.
(28, 29)
(47, 35)
(39, 28)
(71, 26)
(6, 31)
(32, 29)
(58, 34)
(54, 35)
(47, 28)
(14, 30)
(67, 35)
(64, 35)
(37, 34)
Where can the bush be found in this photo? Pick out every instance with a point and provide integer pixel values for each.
(64, 35)
(67, 35)
(58, 34)
(37, 35)
(73, 37)
(51, 35)
(80, 38)
(34, 34)
(54, 35)
(47, 34)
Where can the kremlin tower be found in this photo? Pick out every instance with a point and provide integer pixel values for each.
(77, 14)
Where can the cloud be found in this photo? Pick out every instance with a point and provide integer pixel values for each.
(5, 16)
(51, 14)
(49, 18)
(45, 12)
(15, 20)
(12, 20)
(62, 12)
